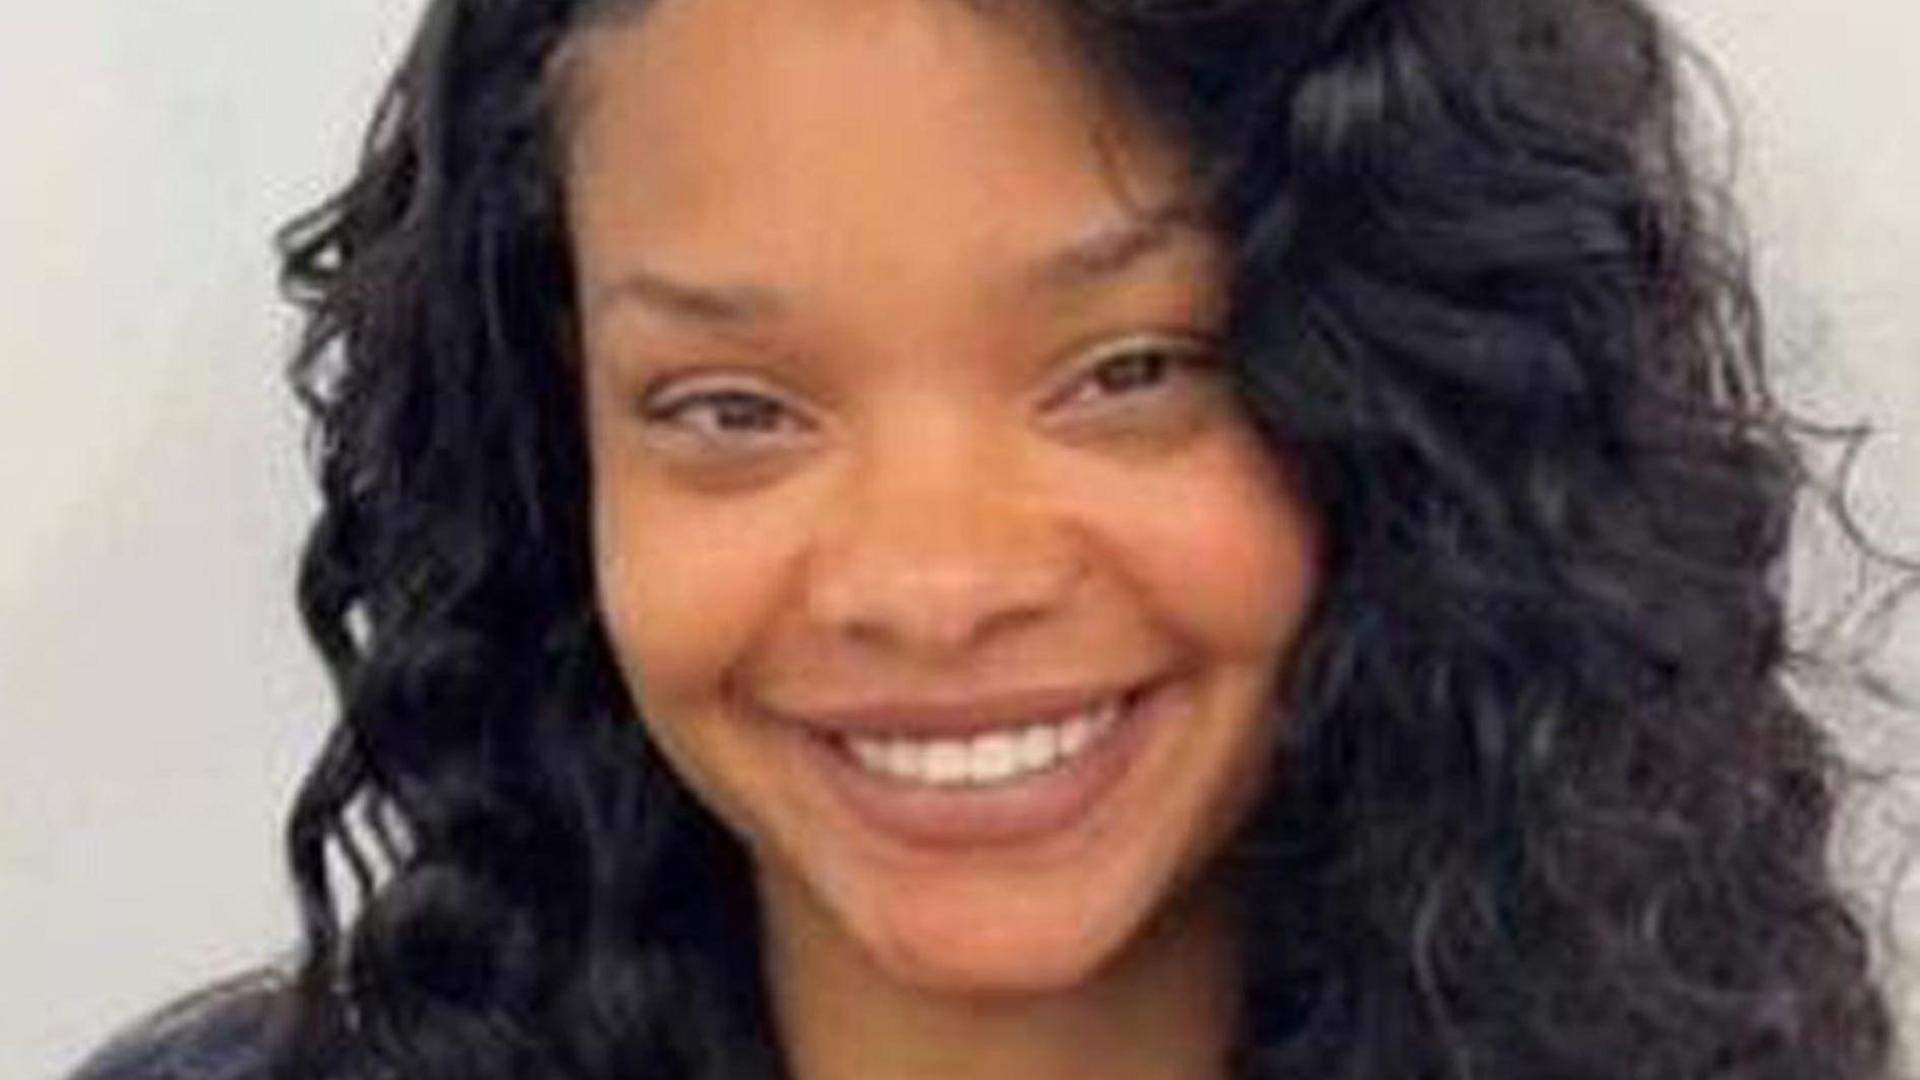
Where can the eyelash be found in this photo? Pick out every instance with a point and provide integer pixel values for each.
(673, 412)
(1175, 358)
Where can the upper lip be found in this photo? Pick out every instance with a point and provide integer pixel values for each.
(953, 716)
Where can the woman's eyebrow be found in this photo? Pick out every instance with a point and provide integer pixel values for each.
(1102, 255)
(1109, 252)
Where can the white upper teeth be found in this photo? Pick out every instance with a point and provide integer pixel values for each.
(992, 757)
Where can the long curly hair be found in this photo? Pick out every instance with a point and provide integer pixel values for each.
(1549, 807)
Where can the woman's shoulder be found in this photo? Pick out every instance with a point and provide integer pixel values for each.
(220, 1032)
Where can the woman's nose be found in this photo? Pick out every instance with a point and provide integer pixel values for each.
(934, 552)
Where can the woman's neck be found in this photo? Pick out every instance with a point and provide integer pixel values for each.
(1166, 1009)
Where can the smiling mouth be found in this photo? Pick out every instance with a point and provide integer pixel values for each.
(1014, 783)
(1003, 756)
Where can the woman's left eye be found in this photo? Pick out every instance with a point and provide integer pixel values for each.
(1139, 368)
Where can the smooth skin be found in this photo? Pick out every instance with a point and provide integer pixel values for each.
(901, 384)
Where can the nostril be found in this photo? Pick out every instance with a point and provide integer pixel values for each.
(927, 589)
(944, 615)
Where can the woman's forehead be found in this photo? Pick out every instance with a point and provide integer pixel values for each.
(914, 140)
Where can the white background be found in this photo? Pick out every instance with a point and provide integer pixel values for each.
(156, 699)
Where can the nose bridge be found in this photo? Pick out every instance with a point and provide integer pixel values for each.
(937, 541)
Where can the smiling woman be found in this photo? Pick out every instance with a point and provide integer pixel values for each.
(943, 538)
(886, 557)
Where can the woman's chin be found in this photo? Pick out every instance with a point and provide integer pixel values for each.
(999, 968)
(991, 949)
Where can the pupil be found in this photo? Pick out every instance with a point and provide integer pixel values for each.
(737, 412)
(1130, 372)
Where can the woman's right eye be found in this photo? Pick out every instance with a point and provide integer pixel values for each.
(722, 419)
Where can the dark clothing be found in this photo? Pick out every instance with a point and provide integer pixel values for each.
(219, 1033)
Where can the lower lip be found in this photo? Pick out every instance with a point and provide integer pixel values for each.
(1008, 813)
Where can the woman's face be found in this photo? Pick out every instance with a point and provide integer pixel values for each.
(935, 552)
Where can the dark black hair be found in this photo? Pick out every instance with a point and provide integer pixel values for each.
(1549, 807)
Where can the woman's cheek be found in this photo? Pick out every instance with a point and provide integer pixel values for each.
(682, 583)
(1220, 539)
